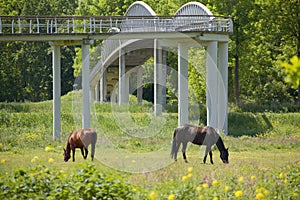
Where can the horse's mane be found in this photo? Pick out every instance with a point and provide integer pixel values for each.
(220, 144)
(68, 148)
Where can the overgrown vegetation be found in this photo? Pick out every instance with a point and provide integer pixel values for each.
(264, 158)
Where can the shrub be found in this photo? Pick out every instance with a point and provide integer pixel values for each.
(43, 183)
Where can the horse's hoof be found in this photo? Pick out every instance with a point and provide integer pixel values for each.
(186, 161)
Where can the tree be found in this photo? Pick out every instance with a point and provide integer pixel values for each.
(292, 70)
(26, 67)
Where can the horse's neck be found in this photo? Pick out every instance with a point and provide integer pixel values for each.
(68, 149)
(220, 144)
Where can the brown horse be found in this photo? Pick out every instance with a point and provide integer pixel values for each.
(81, 139)
(200, 136)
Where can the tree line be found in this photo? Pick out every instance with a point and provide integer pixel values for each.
(266, 32)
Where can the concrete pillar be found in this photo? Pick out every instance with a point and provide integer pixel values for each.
(85, 85)
(140, 85)
(157, 79)
(103, 87)
(211, 84)
(56, 90)
(183, 100)
(223, 87)
(126, 87)
(122, 78)
(97, 87)
(164, 77)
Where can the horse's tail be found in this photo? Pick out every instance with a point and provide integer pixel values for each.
(93, 143)
(174, 145)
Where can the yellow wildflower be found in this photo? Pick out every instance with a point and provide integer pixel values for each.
(238, 194)
(259, 196)
(198, 188)
(200, 197)
(48, 148)
(215, 198)
(171, 197)
(189, 175)
(51, 160)
(227, 188)
(3, 161)
(266, 192)
(241, 179)
(205, 185)
(215, 182)
(190, 169)
(253, 178)
(184, 178)
(153, 195)
(281, 175)
(34, 159)
(261, 189)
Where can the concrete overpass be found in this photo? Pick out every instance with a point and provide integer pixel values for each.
(122, 35)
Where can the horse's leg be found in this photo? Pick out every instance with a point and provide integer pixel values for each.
(86, 153)
(176, 150)
(73, 154)
(210, 155)
(82, 153)
(207, 150)
(184, 145)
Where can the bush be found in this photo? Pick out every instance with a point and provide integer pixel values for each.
(43, 183)
(248, 124)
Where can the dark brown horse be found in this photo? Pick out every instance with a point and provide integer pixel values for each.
(201, 136)
(81, 139)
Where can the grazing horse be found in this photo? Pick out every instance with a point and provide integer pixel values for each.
(81, 139)
(200, 136)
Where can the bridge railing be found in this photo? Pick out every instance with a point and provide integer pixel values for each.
(11, 25)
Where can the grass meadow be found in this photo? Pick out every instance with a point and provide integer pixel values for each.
(133, 156)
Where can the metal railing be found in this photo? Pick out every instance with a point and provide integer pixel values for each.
(14, 25)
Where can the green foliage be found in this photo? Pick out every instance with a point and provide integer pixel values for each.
(264, 184)
(40, 182)
(247, 124)
(292, 70)
(26, 67)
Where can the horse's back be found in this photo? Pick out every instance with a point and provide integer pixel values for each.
(88, 136)
(196, 134)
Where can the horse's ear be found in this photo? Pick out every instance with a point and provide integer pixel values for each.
(227, 148)
(64, 149)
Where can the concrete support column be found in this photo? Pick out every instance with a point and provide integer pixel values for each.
(97, 87)
(183, 100)
(122, 78)
(157, 79)
(164, 77)
(85, 85)
(140, 85)
(223, 87)
(103, 87)
(126, 87)
(56, 90)
(211, 84)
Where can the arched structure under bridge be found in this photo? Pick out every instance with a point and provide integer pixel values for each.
(125, 37)
(193, 25)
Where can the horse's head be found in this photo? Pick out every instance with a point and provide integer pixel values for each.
(224, 156)
(67, 155)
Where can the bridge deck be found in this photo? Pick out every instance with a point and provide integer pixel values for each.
(14, 28)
